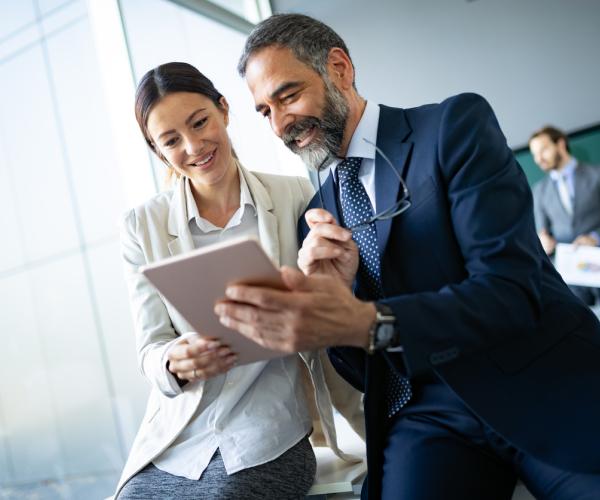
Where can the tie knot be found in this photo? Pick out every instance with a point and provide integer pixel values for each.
(348, 169)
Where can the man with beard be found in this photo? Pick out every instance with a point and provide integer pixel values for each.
(567, 201)
(477, 363)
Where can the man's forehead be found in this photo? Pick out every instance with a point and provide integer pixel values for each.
(270, 67)
(540, 140)
(272, 55)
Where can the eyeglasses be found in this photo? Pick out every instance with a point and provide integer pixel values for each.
(401, 205)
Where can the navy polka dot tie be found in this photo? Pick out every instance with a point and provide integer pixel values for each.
(356, 209)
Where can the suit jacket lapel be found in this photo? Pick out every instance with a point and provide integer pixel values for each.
(267, 221)
(579, 187)
(178, 223)
(392, 130)
(330, 199)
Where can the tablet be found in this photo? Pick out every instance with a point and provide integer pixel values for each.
(193, 282)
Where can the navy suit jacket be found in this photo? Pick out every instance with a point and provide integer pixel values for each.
(476, 299)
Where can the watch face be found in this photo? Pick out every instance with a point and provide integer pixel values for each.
(384, 335)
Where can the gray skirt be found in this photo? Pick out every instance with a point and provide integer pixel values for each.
(288, 477)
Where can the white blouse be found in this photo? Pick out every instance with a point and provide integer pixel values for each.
(253, 413)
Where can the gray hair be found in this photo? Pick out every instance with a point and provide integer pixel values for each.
(309, 40)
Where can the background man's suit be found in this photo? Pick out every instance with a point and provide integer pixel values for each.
(477, 301)
(552, 216)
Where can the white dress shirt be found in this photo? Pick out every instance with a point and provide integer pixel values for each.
(358, 148)
(568, 174)
(252, 413)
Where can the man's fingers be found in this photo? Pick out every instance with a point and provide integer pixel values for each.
(316, 216)
(329, 231)
(294, 279)
(325, 250)
(248, 314)
(262, 333)
(233, 317)
(234, 321)
(336, 246)
(262, 297)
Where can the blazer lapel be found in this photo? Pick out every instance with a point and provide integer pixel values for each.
(267, 221)
(178, 223)
(328, 190)
(579, 188)
(392, 130)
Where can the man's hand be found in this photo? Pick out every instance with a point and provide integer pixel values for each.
(548, 242)
(585, 240)
(328, 248)
(196, 358)
(317, 311)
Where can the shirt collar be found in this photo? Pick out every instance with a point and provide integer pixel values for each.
(567, 171)
(245, 195)
(192, 209)
(367, 129)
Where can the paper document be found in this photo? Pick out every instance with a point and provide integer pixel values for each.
(578, 265)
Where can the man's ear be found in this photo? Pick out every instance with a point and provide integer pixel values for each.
(340, 69)
(562, 147)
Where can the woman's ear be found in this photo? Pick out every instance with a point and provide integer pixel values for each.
(224, 106)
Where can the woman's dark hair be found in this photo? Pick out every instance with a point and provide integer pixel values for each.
(166, 79)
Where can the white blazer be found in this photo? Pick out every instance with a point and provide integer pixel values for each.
(159, 229)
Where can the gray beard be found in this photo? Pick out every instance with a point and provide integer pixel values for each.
(330, 130)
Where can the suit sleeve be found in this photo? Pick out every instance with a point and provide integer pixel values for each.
(596, 171)
(490, 210)
(154, 332)
(542, 221)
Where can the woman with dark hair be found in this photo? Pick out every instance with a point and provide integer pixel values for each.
(213, 429)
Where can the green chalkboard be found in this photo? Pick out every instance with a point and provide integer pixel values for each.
(585, 146)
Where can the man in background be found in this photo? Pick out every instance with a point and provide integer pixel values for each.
(567, 200)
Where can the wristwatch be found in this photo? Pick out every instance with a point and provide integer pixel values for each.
(383, 332)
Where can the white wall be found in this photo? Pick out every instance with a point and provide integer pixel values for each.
(536, 61)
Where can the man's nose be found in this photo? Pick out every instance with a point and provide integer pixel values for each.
(280, 122)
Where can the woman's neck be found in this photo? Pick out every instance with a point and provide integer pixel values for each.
(218, 202)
